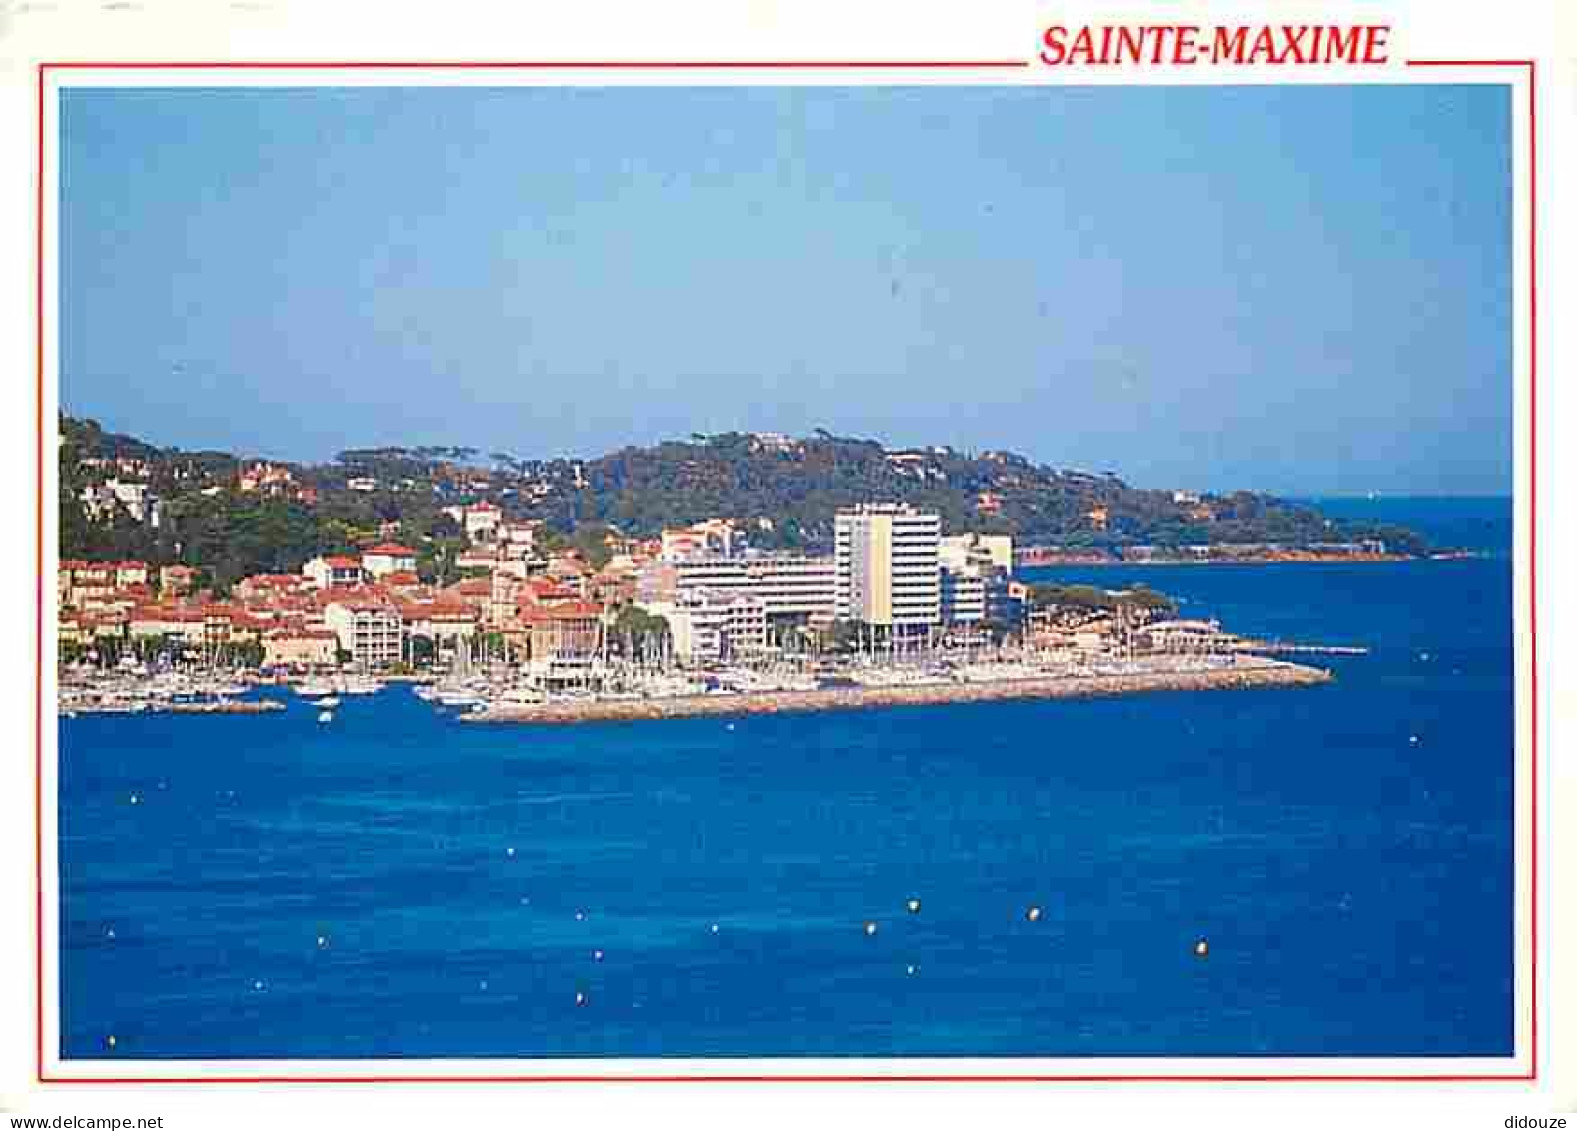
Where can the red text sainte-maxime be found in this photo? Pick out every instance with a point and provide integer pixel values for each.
(1115, 45)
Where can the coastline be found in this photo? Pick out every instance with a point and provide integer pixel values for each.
(1239, 677)
(1036, 562)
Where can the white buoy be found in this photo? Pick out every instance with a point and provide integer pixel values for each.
(596, 956)
(911, 970)
(510, 851)
(258, 985)
(580, 997)
(870, 927)
(1033, 914)
(110, 933)
(1412, 739)
(1201, 948)
(914, 906)
(714, 928)
(136, 799)
(323, 942)
(482, 985)
(580, 916)
(110, 1040)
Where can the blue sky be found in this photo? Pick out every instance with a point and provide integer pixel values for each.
(1293, 289)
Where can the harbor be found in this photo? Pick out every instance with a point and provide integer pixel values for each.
(1236, 674)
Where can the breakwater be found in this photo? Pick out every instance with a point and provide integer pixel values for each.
(1236, 677)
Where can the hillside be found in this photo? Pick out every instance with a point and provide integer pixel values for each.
(786, 490)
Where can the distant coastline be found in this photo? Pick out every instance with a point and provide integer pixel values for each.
(1033, 556)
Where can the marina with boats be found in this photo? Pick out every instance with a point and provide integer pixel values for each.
(620, 689)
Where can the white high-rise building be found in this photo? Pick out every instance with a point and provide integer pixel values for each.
(889, 567)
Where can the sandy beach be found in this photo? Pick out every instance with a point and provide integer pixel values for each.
(1239, 677)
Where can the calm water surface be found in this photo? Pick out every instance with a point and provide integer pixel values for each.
(1346, 850)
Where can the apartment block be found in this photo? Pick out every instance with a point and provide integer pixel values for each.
(790, 586)
(888, 567)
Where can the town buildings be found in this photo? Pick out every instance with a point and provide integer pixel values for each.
(549, 611)
(99, 501)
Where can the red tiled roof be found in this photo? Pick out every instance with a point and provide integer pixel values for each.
(571, 610)
(340, 561)
(390, 549)
(546, 589)
(163, 613)
(356, 597)
(299, 634)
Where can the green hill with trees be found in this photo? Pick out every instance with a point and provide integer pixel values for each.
(784, 491)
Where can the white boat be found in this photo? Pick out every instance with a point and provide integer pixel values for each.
(459, 698)
(314, 689)
(360, 685)
(326, 701)
(326, 716)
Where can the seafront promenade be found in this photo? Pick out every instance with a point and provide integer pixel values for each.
(1243, 675)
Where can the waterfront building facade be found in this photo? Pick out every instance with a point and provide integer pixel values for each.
(709, 625)
(558, 633)
(791, 587)
(299, 648)
(888, 567)
(368, 628)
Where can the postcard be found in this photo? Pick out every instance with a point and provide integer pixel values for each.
(991, 564)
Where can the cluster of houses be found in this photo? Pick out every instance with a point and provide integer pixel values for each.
(369, 609)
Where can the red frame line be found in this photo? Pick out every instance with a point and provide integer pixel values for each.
(1532, 1074)
(587, 65)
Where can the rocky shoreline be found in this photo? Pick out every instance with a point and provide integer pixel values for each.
(227, 707)
(1237, 677)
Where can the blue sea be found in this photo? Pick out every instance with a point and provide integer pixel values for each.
(398, 884)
